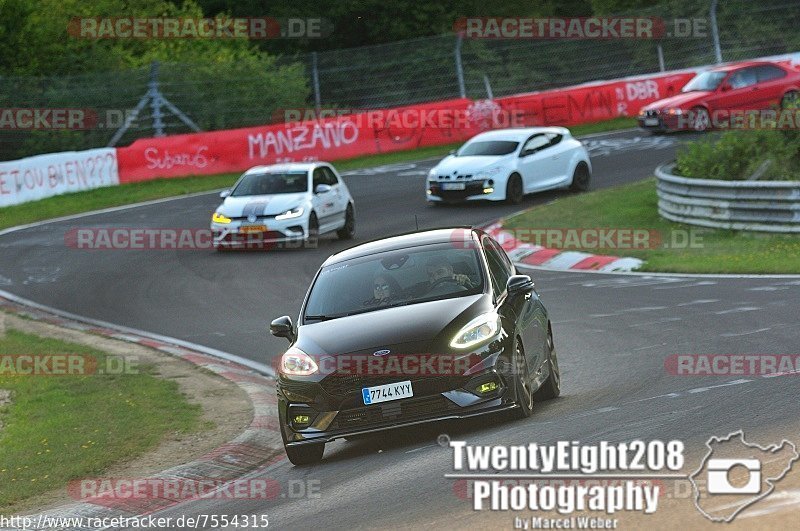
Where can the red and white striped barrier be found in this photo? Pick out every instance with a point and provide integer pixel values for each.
(536, 255)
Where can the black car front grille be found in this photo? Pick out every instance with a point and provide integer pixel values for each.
(651, 114)
(352, 384)
(401, 410)
(471, 188)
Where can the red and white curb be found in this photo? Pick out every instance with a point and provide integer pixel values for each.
(258, 447)
(538, 256)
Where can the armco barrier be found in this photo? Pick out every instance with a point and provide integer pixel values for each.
(768, 206)
(43, 176)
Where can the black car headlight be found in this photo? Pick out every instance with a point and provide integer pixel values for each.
(478, 331)
(295, 362)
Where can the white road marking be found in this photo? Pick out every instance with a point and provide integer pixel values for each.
(698, 301)
(689, 285)
(732, 334)
(708, 388)
(741, 309)
(657, 321)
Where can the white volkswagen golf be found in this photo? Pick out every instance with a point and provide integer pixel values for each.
(506, 164)
(283, 203)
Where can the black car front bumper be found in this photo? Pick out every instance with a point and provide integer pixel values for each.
(333, 408)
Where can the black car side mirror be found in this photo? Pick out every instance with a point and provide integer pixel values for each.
(519, 284)
(282, 327)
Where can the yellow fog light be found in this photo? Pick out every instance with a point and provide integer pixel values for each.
(302, 419)
(488, 190)
(219, 218)
(488, 387)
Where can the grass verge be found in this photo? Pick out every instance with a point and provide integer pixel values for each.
(61, 428)
(75, 203)
(672, 247)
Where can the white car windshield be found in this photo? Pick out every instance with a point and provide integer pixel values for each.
(272, 183)
(394, 278)
(488, 148)
(704, 81)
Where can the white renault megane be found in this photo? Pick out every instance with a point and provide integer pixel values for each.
(281, 203)
(506, 164)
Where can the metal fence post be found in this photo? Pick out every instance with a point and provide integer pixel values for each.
(715, 31)
(462, 90)
(315, 82)
(155, 100)
(660, 51)
(488, 86)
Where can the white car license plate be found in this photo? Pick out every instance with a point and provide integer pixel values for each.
(453, 186)
(387, 392)
(651, 121)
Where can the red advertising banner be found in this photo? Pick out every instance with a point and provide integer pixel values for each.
(592, 103)
(364, 133)
(385, 130)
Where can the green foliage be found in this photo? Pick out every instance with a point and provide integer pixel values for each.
(736, 155)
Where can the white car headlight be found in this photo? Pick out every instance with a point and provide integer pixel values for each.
(295, 362)
(479, 330)
(432, 172)
(291, 214)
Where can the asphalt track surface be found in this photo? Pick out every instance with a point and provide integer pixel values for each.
(612, 334)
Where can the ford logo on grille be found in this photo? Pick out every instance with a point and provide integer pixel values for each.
(382, 352)
(251, 218)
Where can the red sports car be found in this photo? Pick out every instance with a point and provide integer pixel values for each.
(717, 98)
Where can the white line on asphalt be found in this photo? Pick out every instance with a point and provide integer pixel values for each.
(259, 367)
(727, 384)
(739, 310)
(699, 301)
(731, 334)
(105, 211)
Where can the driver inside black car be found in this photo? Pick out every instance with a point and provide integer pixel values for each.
(440, 272)
(385, 290)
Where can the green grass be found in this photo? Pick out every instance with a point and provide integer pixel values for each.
(60, 428)
(603, 127)
(634, 206)
(75, 203)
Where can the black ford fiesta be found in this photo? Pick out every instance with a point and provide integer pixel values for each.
(410, 329)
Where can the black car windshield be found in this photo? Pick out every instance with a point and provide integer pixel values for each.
(488, 148)
(394, 278)
(704, 81)
(290, 182)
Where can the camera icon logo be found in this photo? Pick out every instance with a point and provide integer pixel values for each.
(720, 471)
(735, 474)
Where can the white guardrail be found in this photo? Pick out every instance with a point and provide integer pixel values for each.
(768, 206)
